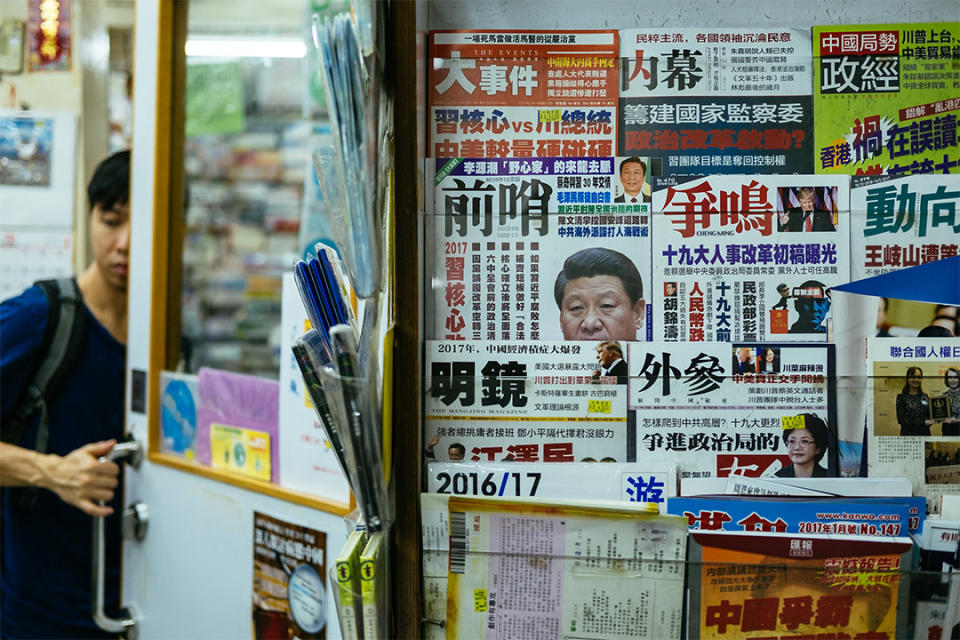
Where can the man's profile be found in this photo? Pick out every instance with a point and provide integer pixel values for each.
(456, 452)
(599, 293)
(812, 302)
(743, 361)
(611, 362)
(784, 292)
(806, 217)
(633, 175)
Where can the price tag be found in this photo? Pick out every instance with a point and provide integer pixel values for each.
(551, 115)
(793, 422)
(599, 406)
(479, 600)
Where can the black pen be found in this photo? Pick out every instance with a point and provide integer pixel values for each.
(345, 357)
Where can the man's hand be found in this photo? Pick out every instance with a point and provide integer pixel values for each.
(433, 442)
(81, 480)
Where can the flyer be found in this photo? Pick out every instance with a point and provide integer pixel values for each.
(525, 402)
(498, 94)
(547, 570)
(748, 257)
(289, 580)
(720, 409)
(915, 421)
(717, 100)
(886, 98)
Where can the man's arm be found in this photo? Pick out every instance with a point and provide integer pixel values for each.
(78, 478)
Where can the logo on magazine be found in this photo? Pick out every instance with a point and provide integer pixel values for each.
(800, 548)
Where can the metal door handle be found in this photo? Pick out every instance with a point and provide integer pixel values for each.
(132, 451)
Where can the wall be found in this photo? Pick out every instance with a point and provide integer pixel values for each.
(81, 90)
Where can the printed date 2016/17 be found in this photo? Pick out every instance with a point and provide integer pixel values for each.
(491, 484)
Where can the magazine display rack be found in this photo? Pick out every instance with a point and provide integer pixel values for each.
(632, 245)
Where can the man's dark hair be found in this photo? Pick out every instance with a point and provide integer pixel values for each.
(636, 160)
(817, 428)
(459, 447)
(110, 184)
(599, 261)
(935, 331)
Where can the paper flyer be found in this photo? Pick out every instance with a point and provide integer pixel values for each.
(289, 584)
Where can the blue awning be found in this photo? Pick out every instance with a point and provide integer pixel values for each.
(936, 282)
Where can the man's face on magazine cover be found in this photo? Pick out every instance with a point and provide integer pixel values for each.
(598, 308)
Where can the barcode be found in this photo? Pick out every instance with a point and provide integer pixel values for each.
(458, 542)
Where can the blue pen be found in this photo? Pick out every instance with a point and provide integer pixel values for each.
(326, 305)
(330, 279)
(312, 304)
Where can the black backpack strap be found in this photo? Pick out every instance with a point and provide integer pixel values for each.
(62, 342)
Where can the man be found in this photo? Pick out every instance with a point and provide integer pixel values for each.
(47, 544)
(612, 364)
(806, 217)
(455, 452)
(633, 175)
(600, 296)
(812, 304)
(743, 362)
(669, 289)
(784, 292)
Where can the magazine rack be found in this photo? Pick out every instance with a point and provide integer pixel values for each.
(414, 602)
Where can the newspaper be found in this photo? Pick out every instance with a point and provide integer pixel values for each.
(902, 222)
(523, 402)
(748, 257)
(717, 100)
(721, 409)
(499, 94)
(506, 231)
(548, 570)
(915, 387)
(885, 98)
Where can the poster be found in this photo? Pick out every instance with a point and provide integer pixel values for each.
(524, 402)
(289, 580)
(748, 257)
(27, 256)
(537, 249)
(886, 98)
(522, 94)
(721, 409)
(717, 100)
(914, 424)
(37, 167)
(49, 35)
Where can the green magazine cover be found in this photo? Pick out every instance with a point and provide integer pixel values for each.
(887, 98)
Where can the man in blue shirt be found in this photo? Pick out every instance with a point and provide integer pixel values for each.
(46, 549)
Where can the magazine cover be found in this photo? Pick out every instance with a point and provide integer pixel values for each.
(748, 257)
(887, 518)
(783, 585)
(717, 100)
(523, 569)
(526, 402)
(902, 222)
(498, 94)
(771, 412)
(504, 265)
(914, 426)
(885, 98)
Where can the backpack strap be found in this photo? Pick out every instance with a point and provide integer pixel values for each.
(62, 342)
